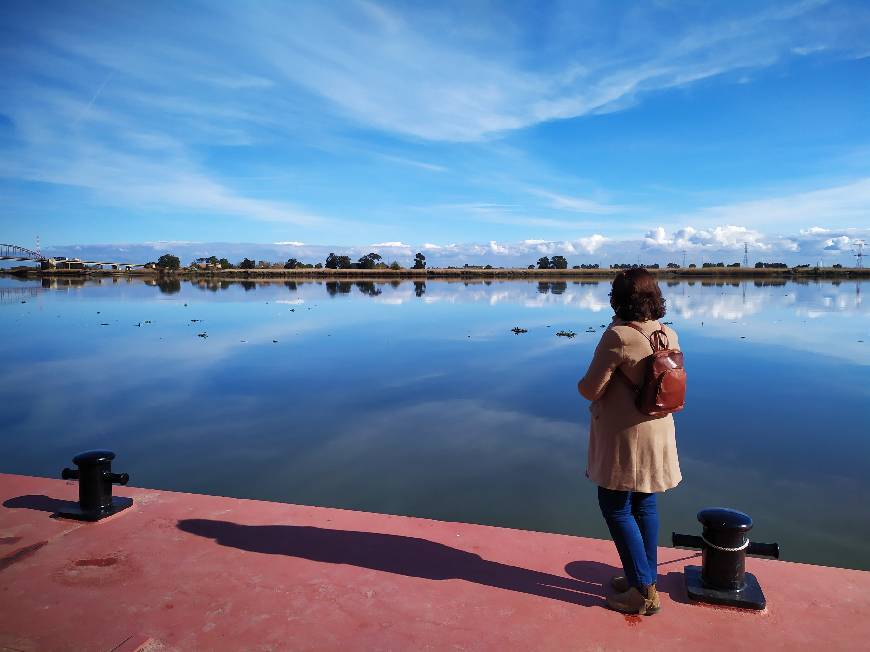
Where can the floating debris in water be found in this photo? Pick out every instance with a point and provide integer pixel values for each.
(103, 324)
(139, 325)
(667, 323)
(243, 341)
(193, 321)
(274, 341)
(602, 326)
(742, 337)
(202, 335)
(292, 309)
(568, 334)
(23, 301)
(516, 330)
(591, 330)
(147, 321)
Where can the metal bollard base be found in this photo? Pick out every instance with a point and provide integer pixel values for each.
(74, 511)
(749, 597)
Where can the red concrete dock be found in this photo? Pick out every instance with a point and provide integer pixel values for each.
(188, 572)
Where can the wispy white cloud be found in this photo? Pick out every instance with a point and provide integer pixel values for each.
(576, 204)
(495, 213)
(239, 82)
(125, 180)
(124, 123)
(841, 205)
(809, 49)
(431, 167)
(386, 70)
(122, 163)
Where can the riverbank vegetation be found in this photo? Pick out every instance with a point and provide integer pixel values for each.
(373, 265)
(454, 273)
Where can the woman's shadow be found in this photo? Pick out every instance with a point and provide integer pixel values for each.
(409, 556)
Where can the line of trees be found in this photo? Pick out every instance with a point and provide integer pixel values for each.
(369, 261)
(556, 262)
(374, 260)
(633, 266)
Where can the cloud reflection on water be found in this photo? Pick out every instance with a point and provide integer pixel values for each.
(429, 405)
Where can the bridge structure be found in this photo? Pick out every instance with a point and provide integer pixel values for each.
(22, 254)
(14, 252)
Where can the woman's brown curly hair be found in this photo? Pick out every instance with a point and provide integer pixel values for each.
(636, 296)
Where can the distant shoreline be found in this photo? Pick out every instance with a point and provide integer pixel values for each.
(454, 273)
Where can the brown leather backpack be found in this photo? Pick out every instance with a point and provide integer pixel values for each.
(663, 389)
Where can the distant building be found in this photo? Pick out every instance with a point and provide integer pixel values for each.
(205, 264)
(62, 263)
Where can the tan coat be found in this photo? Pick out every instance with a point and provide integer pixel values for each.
(628, 450)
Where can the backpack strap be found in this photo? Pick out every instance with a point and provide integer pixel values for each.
(657, 341)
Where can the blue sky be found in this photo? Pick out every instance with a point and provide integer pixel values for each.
(490, 132)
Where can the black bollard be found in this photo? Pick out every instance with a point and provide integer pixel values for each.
(95, 478)
(724, 543)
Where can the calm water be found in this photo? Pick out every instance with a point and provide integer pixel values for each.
(417, 399)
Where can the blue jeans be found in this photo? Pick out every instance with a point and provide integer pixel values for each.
(633, 521)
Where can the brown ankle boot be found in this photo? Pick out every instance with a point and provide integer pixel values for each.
(619, 583)
(653, 596)
(633, 601)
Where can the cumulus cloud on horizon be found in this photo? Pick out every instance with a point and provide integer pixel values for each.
(657, 245)
(719, 238)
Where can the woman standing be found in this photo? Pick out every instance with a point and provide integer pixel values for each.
(632, 456)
